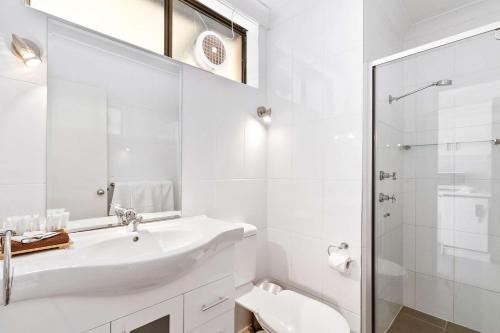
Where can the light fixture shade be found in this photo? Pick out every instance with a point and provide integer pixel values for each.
(26, 50)
(264, 114)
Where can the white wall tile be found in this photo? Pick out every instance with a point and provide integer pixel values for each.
(21, 199)
(342, 211)
(307, 256)
(198, 197)
(306, 217)
(314, 147)
(279, 152)
(22, 132)
(349, 296)
(255, 148)
(279, 254)
(241, 201)
(342, 155)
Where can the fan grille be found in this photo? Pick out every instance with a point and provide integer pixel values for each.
(214, 49)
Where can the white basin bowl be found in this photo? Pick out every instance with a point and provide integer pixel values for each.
(114, 261)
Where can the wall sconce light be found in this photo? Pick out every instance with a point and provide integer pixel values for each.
(264, 114)
(26, 50)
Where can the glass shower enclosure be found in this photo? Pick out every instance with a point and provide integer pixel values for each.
(436, 189)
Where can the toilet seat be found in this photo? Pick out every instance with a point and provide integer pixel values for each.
(291, 312)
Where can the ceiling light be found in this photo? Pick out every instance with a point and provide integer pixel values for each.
(26, 50)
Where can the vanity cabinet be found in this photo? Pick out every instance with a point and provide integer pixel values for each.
(221, 324)
(207, 309)
(165, 317)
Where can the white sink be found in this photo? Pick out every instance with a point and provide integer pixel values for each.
(114, 261)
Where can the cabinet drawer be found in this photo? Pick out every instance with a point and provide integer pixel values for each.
(208, 302)
(221, 324)
(164, 316)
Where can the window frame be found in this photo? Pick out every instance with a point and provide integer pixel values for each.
(207, 11)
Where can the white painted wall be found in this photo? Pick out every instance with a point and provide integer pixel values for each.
(315, 87)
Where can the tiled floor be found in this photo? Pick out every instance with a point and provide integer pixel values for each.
(413, 321)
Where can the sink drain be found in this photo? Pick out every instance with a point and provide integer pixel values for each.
(135, 239)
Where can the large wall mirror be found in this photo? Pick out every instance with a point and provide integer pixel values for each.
(113, 129)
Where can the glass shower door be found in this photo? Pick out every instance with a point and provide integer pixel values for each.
(436, 184)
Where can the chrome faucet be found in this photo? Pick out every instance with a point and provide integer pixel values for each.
(384, 197)
(128, 217)
(8, 270)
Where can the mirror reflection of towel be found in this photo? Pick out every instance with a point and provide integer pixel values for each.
(143, 197)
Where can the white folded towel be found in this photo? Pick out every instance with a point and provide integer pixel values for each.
(144, 197)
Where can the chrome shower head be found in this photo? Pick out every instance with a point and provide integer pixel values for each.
(442, 83)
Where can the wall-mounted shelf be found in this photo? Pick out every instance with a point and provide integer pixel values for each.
(494, 142)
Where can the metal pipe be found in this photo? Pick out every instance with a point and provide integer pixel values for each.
(440, 83)
(8, 270)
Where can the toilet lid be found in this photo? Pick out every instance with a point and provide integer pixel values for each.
(290, 312)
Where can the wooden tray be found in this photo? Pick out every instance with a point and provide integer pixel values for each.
(60, 241)
(43, 248)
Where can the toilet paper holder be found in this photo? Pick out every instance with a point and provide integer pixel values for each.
(341, 246)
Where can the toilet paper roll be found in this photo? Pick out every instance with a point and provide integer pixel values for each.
(340, 262)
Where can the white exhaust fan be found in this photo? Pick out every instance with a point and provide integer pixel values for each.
(210, 50)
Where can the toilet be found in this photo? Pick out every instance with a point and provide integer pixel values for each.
(285, 312)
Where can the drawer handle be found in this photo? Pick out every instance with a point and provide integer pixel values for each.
(217, 302)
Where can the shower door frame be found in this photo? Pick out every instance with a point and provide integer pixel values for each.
(369, 177)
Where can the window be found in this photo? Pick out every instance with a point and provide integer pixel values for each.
(186, 30)
(203, 38)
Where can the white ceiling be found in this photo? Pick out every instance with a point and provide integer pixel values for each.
(422, 9)
(273, 4)
(417, 10)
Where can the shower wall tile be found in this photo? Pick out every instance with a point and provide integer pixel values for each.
(409, 246)
(426, 202)
(476, 261)
(432, 258)
(434, 296)
(476, 308)
(409, 285)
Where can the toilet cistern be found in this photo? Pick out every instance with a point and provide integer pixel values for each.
(128, 217)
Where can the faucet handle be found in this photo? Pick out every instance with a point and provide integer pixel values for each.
(130, 214)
